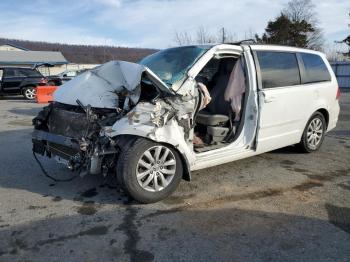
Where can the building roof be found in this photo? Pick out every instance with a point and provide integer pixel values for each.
(31, 57)
(15, 46)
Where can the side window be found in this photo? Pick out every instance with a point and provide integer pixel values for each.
(29, 72)
(278, 69)
(209, 69)
(20, 72)
(315, 68)
(23, 72)
(10, 72)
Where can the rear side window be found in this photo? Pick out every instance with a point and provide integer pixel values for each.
(278, 69)
(10, 72)
(315, 68)
(29, 72)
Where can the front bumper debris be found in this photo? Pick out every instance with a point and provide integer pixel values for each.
(43, 138)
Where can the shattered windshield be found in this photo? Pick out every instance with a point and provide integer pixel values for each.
(172, 64)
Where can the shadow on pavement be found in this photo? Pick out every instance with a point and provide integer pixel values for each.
(189, 235)
(33, 111)
(20, 170)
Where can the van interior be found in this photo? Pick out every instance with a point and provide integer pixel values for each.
(218, 124)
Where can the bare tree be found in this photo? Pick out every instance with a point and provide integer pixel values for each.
(203, 36)
(183, 38)
(334, 52)
(304, 10)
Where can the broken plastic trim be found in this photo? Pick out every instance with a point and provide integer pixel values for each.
(43, 170)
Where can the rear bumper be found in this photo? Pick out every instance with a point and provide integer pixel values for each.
(333, 116)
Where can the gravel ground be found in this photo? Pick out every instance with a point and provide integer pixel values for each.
(279, 206)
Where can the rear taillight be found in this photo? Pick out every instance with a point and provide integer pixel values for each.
(338, 94)
(43, 81)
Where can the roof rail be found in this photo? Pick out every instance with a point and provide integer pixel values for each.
(242, 41)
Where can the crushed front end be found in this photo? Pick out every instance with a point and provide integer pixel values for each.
(72, 135)
(96, 113)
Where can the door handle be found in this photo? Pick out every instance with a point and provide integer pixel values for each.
(269, 99)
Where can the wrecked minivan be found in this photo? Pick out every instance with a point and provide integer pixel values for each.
(187, 108)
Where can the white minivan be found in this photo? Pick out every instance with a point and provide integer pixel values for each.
(187, 108)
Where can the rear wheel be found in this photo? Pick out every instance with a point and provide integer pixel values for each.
(149, 171)
(29, 92)
(314, 133)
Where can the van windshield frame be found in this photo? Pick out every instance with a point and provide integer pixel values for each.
(171, 65)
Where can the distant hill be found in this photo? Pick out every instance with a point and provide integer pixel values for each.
(84, 54)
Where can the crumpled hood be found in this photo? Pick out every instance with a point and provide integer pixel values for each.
(100, 87)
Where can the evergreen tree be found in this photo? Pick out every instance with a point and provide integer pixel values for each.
(284, 31)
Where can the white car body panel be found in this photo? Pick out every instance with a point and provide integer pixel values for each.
(273, 118)
(284, 111)
(277, 122)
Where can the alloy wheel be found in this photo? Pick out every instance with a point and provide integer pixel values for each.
(30, 93)
(314, 133)
(156, 168)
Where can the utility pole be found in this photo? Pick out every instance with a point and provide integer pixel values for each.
(223, 35)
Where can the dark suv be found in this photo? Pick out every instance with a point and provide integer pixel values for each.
(17, 80)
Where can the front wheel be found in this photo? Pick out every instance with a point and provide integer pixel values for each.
(314, 133)
(148, 171)
(29, 92)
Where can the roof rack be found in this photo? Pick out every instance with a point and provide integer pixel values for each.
(243, 41)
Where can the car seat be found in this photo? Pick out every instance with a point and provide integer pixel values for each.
(217, 113)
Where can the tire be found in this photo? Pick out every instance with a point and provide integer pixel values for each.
(51, 83)
(156, 181)
(29, 92)
(313, 134)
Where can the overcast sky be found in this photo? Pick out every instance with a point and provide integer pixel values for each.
(150, 23)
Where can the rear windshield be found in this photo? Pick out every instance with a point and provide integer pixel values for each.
(315, 68)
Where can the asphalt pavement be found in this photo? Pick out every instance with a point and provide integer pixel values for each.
(278, 206)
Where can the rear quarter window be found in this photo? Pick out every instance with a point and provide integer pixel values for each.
(315, 68)
(278, 69)
(29, 72)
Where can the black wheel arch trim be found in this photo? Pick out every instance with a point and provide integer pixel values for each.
(325, 114)
(25, 86)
